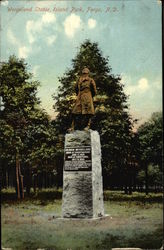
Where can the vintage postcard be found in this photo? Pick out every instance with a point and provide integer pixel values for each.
(81, 124)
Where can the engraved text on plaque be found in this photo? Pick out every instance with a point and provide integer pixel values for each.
(78, 158)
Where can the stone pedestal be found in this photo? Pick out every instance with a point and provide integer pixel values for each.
(82, 176)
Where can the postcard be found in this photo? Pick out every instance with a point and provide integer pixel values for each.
(81, 124)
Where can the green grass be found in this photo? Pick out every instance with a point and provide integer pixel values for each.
(49, 194)
(41, 196)
(33, 223)
(136, 196)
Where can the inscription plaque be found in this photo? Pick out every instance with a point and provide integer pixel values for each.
(78, 159)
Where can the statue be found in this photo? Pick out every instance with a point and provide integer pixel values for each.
(82, 171)
(83, 109)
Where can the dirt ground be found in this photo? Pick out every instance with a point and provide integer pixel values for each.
(129, 224)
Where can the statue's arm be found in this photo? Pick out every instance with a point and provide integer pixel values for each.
(93, 87)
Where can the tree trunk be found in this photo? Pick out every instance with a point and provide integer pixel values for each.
(28, 188)
(45, 178)
(40, 180)
(28, 180)
(130, 189)
(21, 181)
(7, 179)
(126, 189)
(134, 181)
(12, 178)
(125, 182)
(156, 189)
(146, 180)
(35, 183)
(130, 186)
(129, 179)
(17, 178)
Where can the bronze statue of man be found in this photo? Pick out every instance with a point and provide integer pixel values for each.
(83, 109)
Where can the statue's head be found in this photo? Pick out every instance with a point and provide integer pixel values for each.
(85, 71)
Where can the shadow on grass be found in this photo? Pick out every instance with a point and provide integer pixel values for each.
(97, 240)
(144, 240)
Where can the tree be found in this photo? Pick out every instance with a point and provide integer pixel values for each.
(154, 174)
(112, 118)
(39, 149)
(6, 150)
(18, 93)
(150, 138)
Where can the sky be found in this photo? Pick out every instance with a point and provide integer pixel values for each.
(48, 34)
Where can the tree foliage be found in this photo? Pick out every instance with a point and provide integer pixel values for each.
(111, 119)
(154, 175)
(27, 136)
(150, 149)
(150, 137)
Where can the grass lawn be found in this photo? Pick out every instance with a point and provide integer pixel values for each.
(134, 221)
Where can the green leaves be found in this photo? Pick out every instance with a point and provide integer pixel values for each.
(25, 128)
(154, 176)
(150, 137)
(111, 119)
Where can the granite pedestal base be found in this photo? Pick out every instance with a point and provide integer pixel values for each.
(82, 176)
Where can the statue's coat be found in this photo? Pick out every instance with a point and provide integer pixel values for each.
(85, 90)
